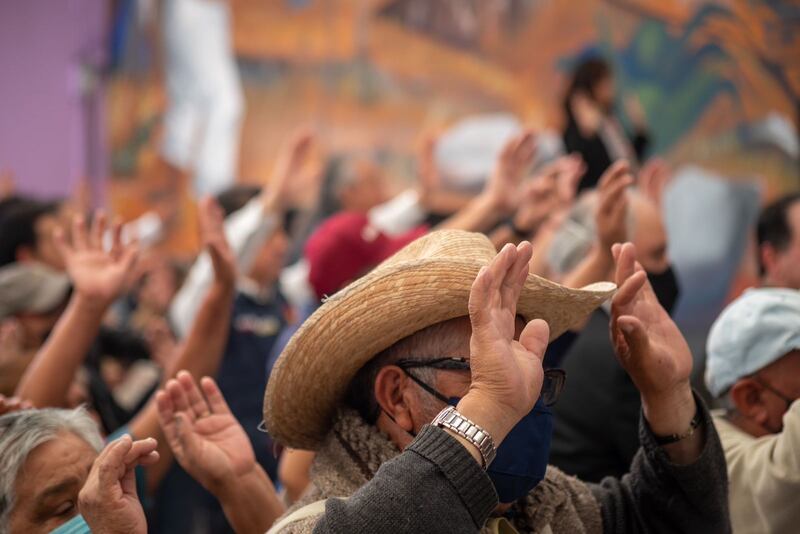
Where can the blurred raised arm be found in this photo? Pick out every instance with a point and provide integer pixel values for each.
(98, 277)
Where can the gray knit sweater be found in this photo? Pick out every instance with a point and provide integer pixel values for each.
(436, 486)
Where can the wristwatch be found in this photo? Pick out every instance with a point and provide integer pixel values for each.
(450, 418)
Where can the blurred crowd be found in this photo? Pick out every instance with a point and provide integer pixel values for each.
(493, 355)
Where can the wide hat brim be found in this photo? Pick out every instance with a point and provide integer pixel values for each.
(425, 283)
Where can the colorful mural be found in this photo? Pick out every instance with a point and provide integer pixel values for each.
(719, 80)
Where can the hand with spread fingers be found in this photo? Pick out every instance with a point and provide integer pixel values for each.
(515, 158)
(507, 374)
(652, 350)
(98, 275)
(211, 445)
(108, 500)
(612, 206)
(212, 233)
(205, 437)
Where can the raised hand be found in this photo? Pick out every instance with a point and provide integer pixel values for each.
(212, 234)
(652, 350)
(290, 178)
(97, 275)
(207, 440)
(612, 206)
(108, 500)
(647, 341)
(654, 177)
(515, 158)
(506, 374)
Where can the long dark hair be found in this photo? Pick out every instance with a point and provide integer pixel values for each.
(585, 78)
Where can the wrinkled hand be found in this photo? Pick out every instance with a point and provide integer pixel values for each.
(212, 235)
(506, 374)
(108, 500)
(648, 343)
(515, 158)
(96, 274)
(207, 440)
(13, 404)
(290, 178)
(612, 206)
(654, 177)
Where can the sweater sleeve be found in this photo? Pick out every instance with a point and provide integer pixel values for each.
(435, 485)
(659, 496)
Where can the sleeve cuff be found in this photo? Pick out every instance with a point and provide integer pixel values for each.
(459, 467)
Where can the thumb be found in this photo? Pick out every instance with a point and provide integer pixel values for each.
(535, 337)
(635, 335)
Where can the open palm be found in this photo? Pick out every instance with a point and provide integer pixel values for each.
(207, 440)
(95, 272)
(647, 341)
(505, 371)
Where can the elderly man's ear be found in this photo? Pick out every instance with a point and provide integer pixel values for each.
(398, 401)
(748, 397)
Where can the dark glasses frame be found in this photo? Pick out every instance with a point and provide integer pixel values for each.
(552, 385)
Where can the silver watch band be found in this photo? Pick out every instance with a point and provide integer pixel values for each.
(451, 419)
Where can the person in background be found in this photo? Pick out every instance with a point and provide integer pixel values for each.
(778, 234)
(592, 129)
(596, 432)
(467, 365)
(754, 371)
(51, 456)
(32, 298)
(255, 218)
(26, 233)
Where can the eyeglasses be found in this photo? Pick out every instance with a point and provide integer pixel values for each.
(552, 386)
(785, 398)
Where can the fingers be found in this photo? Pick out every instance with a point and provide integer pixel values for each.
(215, 399)
(80, 240)
(166, 414)
(140, 451)
(618, 169)
(515, 277)
(97, 230)
(196, 400)
(111, 462)
(117, 248)
(629, 289)
(634, 333)
(180, 401)
(535, 336)
(625, 263)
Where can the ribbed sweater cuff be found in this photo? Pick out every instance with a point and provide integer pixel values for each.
(458, 466)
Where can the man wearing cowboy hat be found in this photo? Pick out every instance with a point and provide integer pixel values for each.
(424, 417)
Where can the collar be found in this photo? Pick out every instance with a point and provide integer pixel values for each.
(253, 290)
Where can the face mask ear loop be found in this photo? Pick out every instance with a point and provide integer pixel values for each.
(412, 434)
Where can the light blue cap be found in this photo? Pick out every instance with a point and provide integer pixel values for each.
(758, 328)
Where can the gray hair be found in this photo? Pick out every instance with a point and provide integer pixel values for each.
(23, 431)
(436, 341)
(576, 235)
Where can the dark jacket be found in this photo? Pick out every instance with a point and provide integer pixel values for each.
(594, 152)
(436, 486)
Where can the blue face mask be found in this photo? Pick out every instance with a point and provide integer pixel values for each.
(76, 525)
(521, 460)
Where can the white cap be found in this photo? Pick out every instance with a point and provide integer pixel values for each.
(758, 328)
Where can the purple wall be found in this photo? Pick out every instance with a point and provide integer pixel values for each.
(46, 136)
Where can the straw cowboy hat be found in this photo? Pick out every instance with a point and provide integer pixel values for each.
(425, 283)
